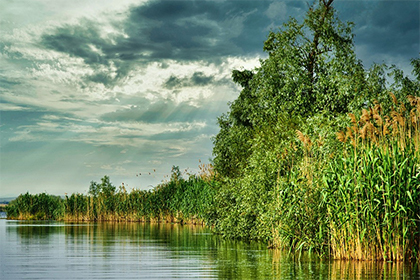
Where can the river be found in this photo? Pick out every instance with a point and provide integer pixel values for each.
(58, 250)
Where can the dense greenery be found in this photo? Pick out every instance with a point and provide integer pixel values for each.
(315, 154)
(286, 177)
(372, 193)
(39, 206)
(177, 200)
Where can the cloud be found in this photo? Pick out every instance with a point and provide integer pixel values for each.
(7, 83)
(198, 79)
(4, 107)
(385, 31)
(58, 129)
(390, 32)
(167, 111)
(276, 9)
(82, 40)
(162, 111)
(157, 31)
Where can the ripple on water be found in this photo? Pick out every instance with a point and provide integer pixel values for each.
(51, 250)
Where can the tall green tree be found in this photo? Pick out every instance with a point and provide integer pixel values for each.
(232, 144)
(311, 68)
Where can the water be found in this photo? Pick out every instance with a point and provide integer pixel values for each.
(57, 250)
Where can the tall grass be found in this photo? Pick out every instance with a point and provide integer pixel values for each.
(35, 207)
(372, 191)
(358, 199)
(178, 200)
(300, 223)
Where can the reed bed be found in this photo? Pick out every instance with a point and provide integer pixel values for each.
(178, 200)
(357, 198)
(372, 191)
(35, 207)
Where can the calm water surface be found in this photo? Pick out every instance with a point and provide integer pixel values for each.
(56, 250)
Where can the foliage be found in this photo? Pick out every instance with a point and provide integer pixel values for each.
(277, 146)
(311, 69)
(178, 200)
(35, 207)
(372, 192)
(311, 76)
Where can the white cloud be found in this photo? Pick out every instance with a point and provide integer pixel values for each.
(11, 107)
(277, 10)
(106, 167)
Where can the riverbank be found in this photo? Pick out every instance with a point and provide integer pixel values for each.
(358, 203)
(177, 201)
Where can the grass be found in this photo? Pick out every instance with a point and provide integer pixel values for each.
(178, 200)
(361, 201)
(372, 192)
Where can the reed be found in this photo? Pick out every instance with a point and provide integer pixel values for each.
(178, 200)
(35, 207)
(300, 213)
(372, 192)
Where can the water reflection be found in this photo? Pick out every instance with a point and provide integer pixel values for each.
(50, 250)
(286, 266)
(373, 270)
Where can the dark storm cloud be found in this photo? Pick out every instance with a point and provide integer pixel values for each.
(197, 79)
(204, 31)
(382, 31)
(85, 41)
(77, 41)
(189, 30)
(390, 32)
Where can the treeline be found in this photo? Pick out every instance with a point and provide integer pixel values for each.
(178, 200)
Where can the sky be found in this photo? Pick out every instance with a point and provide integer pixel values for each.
(122, 87)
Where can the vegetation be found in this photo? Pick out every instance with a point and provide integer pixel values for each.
(35, 207)
(285, 176)
(315, 154)
(373, 192)
(177, 200)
